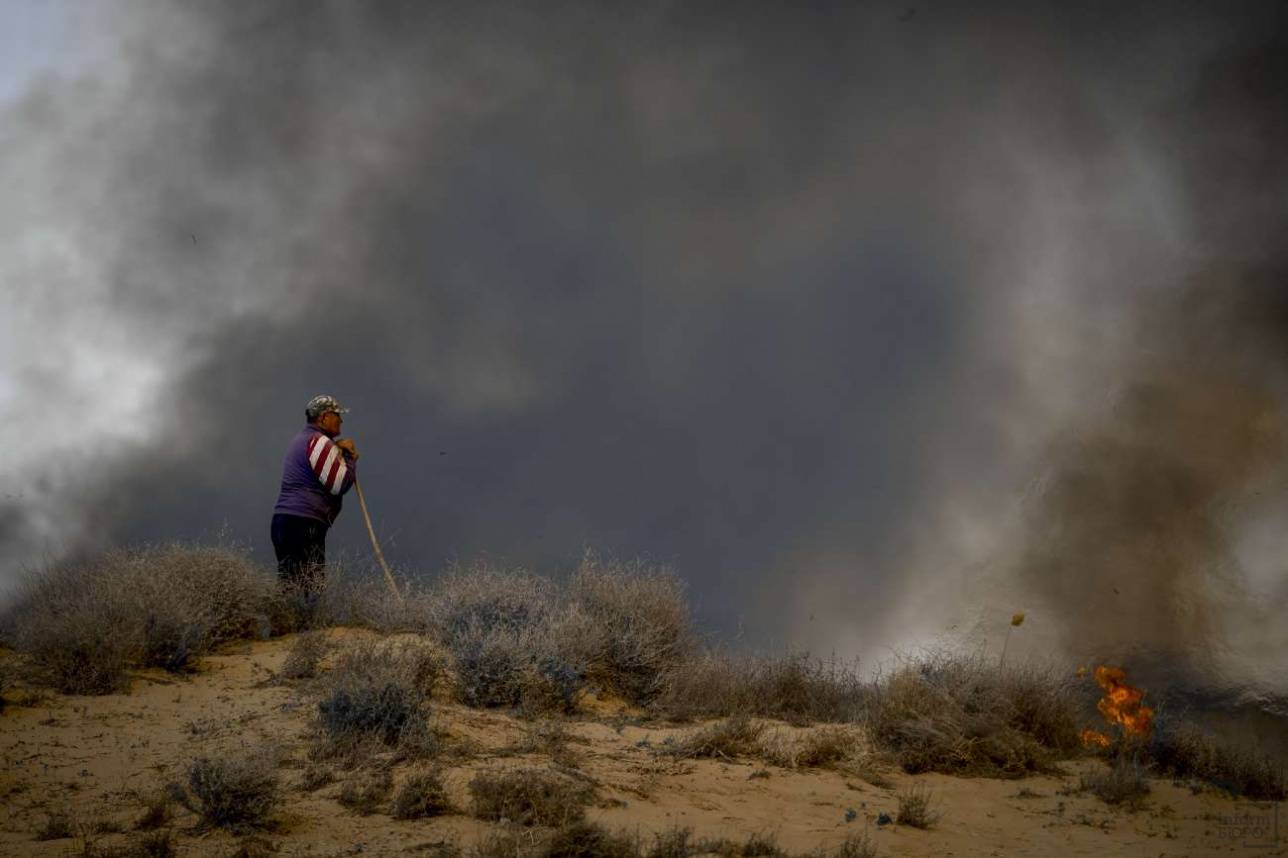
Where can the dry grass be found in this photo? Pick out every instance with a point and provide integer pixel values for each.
(58, 826)
(1186, 752)
(305, 655)
(366, 790)
(854, 846)
(587, 840)
(915, 808)
(1124, 784)
(816, 748)
(234, 793)
(638, 627)
(961, 715)
(158, 811)
(529, 797)
(793, 688)
(83, 626)
(421, 795)
(503, 631)
(738, 736)
(377, 694)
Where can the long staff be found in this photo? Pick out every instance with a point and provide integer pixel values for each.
(380, 555)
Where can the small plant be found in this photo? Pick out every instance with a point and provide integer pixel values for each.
(1125, 783)
(793, 688)
(58, 826)
(529, 797)
(640, 621)
(915, 808)
(499, 844)
(315, 776)
(366, 790)
(237, 794)
(673, 843)
(305, 654)
(377, 693)
(760, 846)
(587, 840)
(158, 810)
(421, 795)
(154, 844)
(815, 748)
(854, 846)
(736, 737)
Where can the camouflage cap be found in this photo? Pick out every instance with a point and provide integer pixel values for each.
(320, 405)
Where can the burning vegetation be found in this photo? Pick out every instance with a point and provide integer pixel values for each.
(1121, 707)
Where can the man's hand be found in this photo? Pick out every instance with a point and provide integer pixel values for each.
(346, 446)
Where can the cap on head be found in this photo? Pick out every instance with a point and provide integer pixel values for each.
(320, 405)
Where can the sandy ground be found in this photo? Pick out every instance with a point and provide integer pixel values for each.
(94, 757)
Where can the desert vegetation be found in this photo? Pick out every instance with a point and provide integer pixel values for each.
(547, 652)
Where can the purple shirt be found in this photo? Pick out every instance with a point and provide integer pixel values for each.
(315, 476)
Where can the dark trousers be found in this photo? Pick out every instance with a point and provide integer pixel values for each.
(300, 544)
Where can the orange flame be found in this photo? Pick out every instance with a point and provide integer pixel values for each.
(1120, 705)
(1095, 737)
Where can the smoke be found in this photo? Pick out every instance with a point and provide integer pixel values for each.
(1147, 538)
(803, 302)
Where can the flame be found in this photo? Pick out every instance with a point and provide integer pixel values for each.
(1121, 705)
(1095, 737)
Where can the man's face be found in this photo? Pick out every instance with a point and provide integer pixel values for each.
(330, 423)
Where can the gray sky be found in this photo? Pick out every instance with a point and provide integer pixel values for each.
(824, 307)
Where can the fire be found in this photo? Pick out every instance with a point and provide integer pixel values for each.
(1095, 737)
(1121, 705)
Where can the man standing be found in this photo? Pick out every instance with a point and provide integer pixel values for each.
(315, 475)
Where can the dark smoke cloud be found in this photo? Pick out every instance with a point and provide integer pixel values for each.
(1134, 543)
(795, 299)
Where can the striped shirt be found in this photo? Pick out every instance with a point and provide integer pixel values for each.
(315, 475)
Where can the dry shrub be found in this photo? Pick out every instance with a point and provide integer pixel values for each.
(530, 796)
(500, 844)
(588, 840)
(84, 625)
(421, 795)
(315, 776)
(680, 843)
(378, 693)
(58, 826)
(157, 811)
(738, 736)
(255, 847)
(915, 807)
(1186, 752)
(637, 624)
(854, 846)
(794, 688)
(364, 600)
(237, 793)
(673, 843)
(366, 790)
(154, 844)
(1123, 783)
(506, 632)
(550, 738)
(305, 655)
(961, 715)
(816, 748)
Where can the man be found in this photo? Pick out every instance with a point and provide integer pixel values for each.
(315, 475)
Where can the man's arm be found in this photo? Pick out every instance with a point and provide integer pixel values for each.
(333, 470)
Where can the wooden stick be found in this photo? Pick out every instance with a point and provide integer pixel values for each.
(380, 555)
